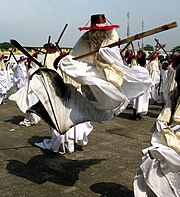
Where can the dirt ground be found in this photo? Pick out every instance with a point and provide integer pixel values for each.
(106, 166)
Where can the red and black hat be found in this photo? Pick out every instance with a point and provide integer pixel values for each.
(22, 58)
(98, 22)
(35, 55)
(50, 47)
(3, 57)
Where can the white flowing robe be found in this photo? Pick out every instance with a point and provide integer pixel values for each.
(169, 83)
(140, 103)
(111, 85)
(20, 75)
(160, 169)
(10, 73)
(4, 80)
(153, 68)
(162, 83)
(134, 82)
(3, 84)
(78, 133)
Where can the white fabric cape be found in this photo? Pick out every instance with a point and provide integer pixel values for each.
(136, 81)
(60, 112)
(63, 112)
(3, 81)
(160, 168)
(140, 103)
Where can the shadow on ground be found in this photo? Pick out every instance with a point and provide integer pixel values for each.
(52, 168)
(37, 139)
(151, 115)
(15, 119)
(127, 116)
(108, 189)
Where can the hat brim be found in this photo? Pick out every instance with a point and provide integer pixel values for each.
(94, 28)
(20, 60)
(50, 48)
(3, 57)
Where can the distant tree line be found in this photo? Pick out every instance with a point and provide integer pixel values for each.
(148, 47)
(5, 46)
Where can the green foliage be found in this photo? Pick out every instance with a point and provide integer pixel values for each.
(148, 47)
(5, 44)
(176, 49)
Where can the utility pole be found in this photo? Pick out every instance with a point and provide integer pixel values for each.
(128, 28)
(142, 32)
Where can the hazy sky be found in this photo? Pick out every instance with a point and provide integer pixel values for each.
(31, 22)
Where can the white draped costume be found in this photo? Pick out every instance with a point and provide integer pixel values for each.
(4, 81)
(80, 72)
(140, 103)
(159, 172)
(20, 74)
(109, 84)
(154, 72)
(169, 83)
(162, 83)
(3, 84)
(78, 133)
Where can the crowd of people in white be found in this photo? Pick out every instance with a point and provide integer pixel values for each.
(157, 85)
(16, 74)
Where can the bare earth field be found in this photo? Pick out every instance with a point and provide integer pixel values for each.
(106, 166)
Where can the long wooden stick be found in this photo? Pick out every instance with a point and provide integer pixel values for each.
(150, 32)
(135, 37)
(161, 46)
(57, 43)
(127, 40)
(14, 56)
(11, 53)
(19, 47)
(132, 45)
(118, 43)
(125, 47)
(150, 55)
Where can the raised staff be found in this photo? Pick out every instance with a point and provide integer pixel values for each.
(57, 43)
(154, 52)
(135, 37)
(120, 42)
(161, 46)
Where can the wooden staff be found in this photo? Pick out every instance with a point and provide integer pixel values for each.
(121, 52)
(150, 55)
(19, 47)
(127, 40)
(57, 43)
(138, 46)
(118, 43)
(125, 48)
(135, 37)
(11, 53)
(161, 46)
